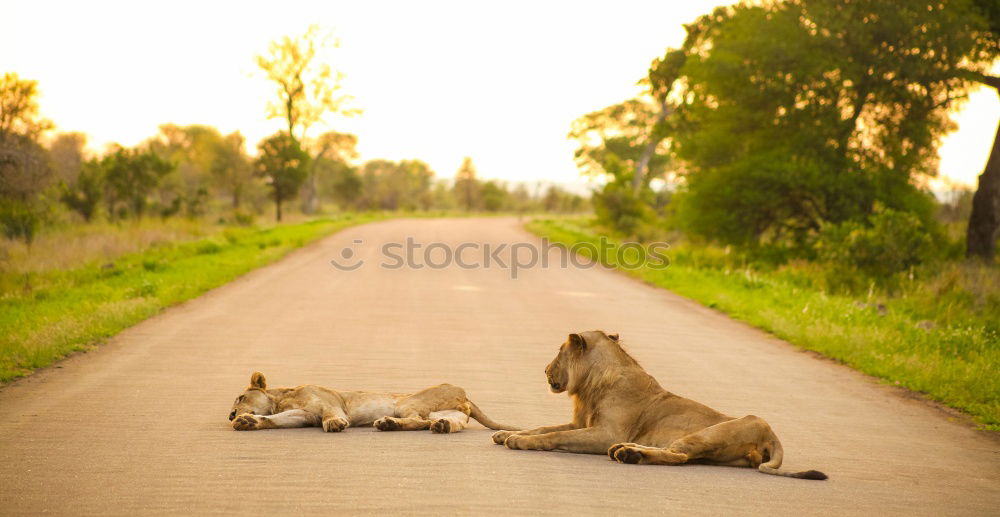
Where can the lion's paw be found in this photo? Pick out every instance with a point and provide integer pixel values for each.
(518, 441)
(614, 448)
(627, 453)
(386, 423)
(442, 425)
(335, 425)
(500, 436)
(246, 422)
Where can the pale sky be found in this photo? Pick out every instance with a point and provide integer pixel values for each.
(500, 82)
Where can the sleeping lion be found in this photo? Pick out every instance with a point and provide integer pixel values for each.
(620, 410)
(442, 409)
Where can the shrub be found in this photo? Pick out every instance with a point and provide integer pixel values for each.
(887, 243)
(620, 208)
(19, 220)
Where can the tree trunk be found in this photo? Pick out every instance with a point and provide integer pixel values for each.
(277, 208)
(312, 197)
(984, 221)
(647, 153)
(981, 237)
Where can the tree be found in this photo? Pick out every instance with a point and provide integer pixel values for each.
(341, 182)
(284, 165)
(19, 108)
(307, 88)
(388, 185)
(467, 186)
(331, 152)
(81, 180)
(197, 151)
(68, 155)
(612, 141)
(807, 111)
(24, 164)
(83, 195)
(984, 221)
(231, 169)
(494, 196)
(131, 175)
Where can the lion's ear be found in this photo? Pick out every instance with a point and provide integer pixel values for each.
(576, 341)
(614, 337)
(257, 381)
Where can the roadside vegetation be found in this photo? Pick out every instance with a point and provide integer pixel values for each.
(787, 152)
(936, 330)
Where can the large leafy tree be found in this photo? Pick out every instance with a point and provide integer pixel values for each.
(806, 111)
(284, 166)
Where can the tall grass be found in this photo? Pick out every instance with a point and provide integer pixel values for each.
(936, 332)
(103, 279)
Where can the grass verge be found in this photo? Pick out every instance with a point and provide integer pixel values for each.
(939, 337)
(48, 314)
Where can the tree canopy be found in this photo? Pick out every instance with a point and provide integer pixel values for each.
(802, 112)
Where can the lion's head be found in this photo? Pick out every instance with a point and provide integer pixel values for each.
(578, 356)
(254, 400)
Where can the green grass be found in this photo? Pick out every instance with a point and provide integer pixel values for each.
(47, 314)
(939, 335)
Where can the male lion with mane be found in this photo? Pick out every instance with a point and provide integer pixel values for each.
(442, 409)
(620, 410)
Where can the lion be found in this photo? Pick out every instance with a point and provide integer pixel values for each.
(442, 409)
(620, 410)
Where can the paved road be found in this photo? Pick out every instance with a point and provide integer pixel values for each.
(140, 424)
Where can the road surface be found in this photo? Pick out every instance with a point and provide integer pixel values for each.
(139, 425)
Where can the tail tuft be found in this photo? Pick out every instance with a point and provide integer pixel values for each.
(807, 474)
(811, 474)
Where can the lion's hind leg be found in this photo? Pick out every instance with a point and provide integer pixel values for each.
(448, 421)
(733, 442)
(419, 411)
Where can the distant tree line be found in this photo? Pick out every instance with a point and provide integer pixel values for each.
(196, 170)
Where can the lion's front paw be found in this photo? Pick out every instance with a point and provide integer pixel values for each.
(335, 425)
(500, 436)
(519, 441)
(441, 425)
(246, 422)
(386, 423)
(627, 453)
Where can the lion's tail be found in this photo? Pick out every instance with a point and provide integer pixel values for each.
(776, 456)
(487, 421)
